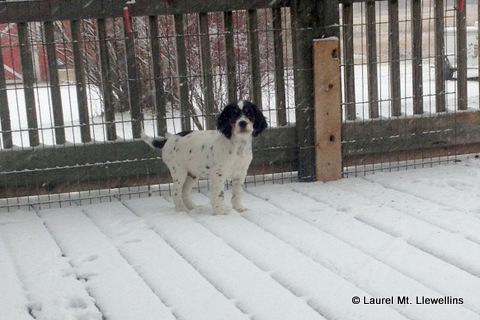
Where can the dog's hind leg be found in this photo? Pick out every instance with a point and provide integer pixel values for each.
(187, 187)
(178, 184)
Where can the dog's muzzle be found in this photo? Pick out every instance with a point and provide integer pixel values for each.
(243, 124)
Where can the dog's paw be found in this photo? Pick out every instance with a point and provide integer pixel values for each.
(218, 211)
(181, 209)
(190, 206)
(240, 208)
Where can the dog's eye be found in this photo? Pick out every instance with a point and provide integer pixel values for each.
(247, 112)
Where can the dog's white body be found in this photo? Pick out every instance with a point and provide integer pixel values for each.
(213, 155)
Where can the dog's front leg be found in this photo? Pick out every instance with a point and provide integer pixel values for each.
(217, 194)
(237, 194)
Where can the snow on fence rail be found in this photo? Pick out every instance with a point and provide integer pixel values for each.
(80, 78)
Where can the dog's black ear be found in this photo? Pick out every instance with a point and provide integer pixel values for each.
(260, 122)
(223, 122)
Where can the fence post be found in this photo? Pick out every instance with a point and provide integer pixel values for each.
(311, 19)
(303, 35)
(328, 110)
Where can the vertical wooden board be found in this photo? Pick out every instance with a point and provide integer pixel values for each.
(230, 56)
(182, 72)
(207, 71)
(462, 94)
(279, 67)
(254, 58)
(55, 94)
(394, 56)
(80, 80)
(439, 56)
(328, 111)
(349, 61)
(372, 60)
(133, 83)
(160, 103)
(28, 74)
(417, 63)
(4, 109)
(107, 89)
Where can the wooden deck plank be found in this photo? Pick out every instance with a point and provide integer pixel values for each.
(341, 242)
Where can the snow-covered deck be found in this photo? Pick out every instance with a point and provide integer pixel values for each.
(408, 241)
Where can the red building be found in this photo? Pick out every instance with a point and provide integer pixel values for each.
(11, 52)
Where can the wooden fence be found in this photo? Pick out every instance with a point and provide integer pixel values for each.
(275, 64)
(119, 159)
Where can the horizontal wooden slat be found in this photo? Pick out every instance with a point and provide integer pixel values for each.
(52, 10)
(418, 157)
(105, 165)
(407, 134)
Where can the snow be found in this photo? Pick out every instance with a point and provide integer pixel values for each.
(300, 251)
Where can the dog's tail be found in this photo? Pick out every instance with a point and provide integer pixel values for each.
(154, 142)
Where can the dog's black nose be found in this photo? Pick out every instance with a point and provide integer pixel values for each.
(243, 124)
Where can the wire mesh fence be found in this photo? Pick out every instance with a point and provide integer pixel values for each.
(409, 71)
(78, 88)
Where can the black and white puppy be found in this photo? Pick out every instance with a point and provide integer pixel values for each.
(217, 155)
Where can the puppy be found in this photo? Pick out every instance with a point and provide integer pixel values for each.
(217, 155)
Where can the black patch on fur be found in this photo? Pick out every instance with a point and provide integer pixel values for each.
(259, 122)
(184, 133)
(159, 143)
(227, 117)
